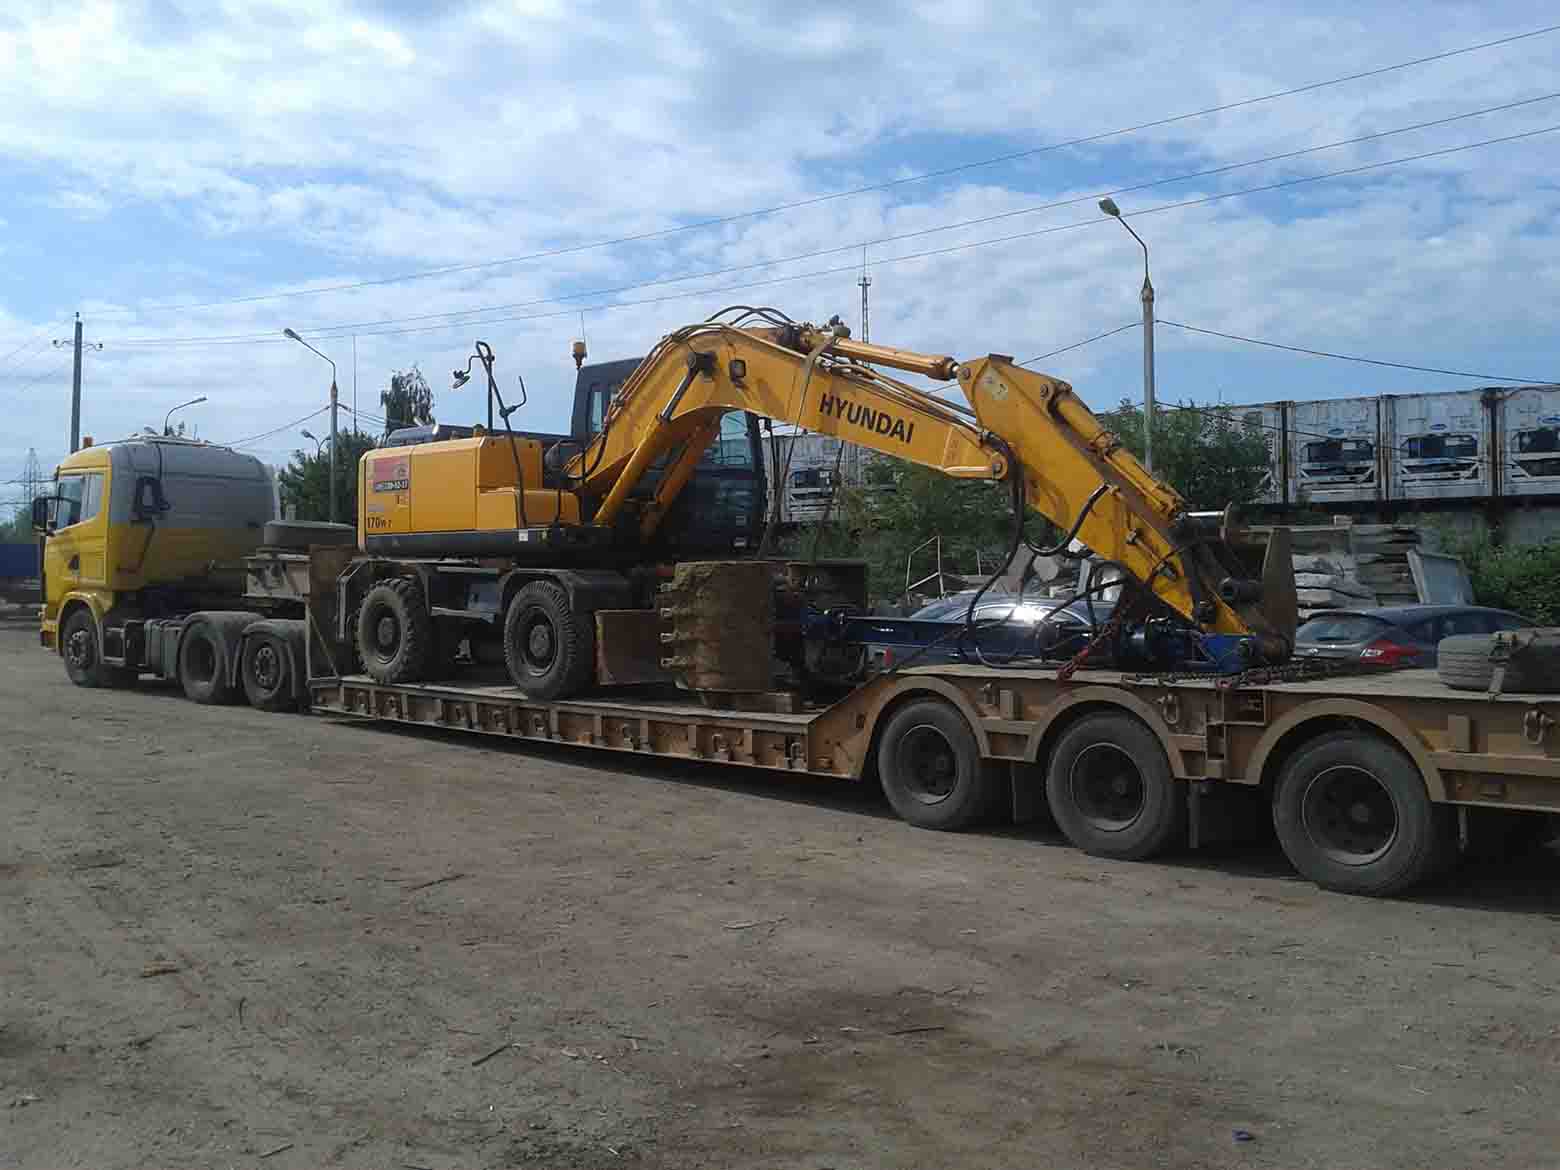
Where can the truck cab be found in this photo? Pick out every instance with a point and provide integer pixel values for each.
(138, 529)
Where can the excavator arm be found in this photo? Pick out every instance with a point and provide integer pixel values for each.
(1017, 425)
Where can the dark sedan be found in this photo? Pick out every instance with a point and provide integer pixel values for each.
(1006, 628)
(1398, 635)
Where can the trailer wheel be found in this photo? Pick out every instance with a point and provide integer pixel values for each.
(84, 663)
(267, 671)
(203, 666)
(395, 632)
(550, 649)
(1353, 815)
(1111, 789)
(931, 769)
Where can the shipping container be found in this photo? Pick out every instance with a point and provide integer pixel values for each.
(1529, 447)
(1335, 451)
(1270, 419)
(1440, 445)
(808, 470)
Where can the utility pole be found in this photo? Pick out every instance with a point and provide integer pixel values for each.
(865, 282)
(75, 384)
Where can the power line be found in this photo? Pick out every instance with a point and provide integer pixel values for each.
(1084, 342)
(922, 255)
(360, 327)
(891, 184)
(31, 342)
(59, 362)
(277, 430)
(1348, 357)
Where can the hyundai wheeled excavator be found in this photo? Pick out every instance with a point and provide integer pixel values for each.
(545, 555)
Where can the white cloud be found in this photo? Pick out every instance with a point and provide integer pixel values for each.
(390, 137)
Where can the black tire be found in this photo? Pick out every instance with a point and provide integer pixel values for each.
(395, 639)
(82, 652)
(1463, 662)
(203, 666)
(267, 672)
(1353, 815)
(930, 766)
(1111, 789)
(550, 649)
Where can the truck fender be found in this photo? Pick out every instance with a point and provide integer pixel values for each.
(1376, 718)
(291, 633)
(1113, 697)
(72, 601)
(907, 686)
(228, 628)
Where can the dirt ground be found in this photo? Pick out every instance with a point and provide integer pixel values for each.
(237, 939)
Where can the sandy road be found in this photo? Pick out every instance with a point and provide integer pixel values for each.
(228, 938)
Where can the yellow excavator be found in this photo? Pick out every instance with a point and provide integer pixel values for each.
(533, 550)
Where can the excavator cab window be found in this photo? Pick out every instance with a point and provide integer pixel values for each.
(722, 508)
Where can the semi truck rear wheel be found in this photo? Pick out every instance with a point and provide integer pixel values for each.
(395, 632)
(1353, 815)
(80, 648)
(549, 647)
(267, 671)
(203, 671)
(931, 769)
(1111, 789)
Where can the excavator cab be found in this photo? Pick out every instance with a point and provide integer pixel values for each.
(721, 511)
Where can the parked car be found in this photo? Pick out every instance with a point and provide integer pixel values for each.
(1006, 628)
(1397, 635)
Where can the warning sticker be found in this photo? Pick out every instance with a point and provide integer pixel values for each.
(391, 474)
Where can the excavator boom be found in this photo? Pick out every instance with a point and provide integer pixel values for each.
(1018, 426)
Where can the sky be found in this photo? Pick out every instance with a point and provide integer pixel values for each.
(193, 178)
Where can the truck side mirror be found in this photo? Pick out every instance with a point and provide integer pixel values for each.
(150, 502)
(40, 513)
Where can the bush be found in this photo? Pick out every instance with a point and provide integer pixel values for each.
(1522, 578)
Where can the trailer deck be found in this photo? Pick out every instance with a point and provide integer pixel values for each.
(1471, 748)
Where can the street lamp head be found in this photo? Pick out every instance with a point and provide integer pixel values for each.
(309, 435)
(1107, 205)
(196, 401)
(290, 333)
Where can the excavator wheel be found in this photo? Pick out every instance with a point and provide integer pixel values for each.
(549, 647)
(395, 636)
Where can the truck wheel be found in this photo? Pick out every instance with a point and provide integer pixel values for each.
(930, 766)
(267, 671)
(1353, 815)
(203, 669)
(83, 662)
(550, 649)
(395, 632)
(1111, 789)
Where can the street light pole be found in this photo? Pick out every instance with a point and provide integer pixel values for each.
(292, 334)
(168, 417)
(1108, 206)
(319, 444)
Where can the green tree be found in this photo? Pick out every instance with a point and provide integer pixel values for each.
(1202, 451)
(903, 505)
(408, 401)
(305, 481)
